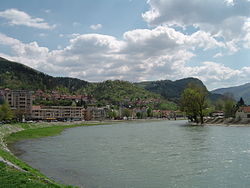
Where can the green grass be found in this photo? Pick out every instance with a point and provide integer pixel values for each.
(34, 133)
(13, 159)
(39, 132)
(12, 178)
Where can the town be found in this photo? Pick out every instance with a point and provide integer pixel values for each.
(26, 108)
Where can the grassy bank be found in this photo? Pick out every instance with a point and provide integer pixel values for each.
(13, 171)
(12, 178)
(38, 133)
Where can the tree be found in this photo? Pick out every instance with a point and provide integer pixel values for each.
(241, 102)
(149, 112)
(5, 112)
(229, 108)
(112, 114)
(139, 115)
(228, 105)
(219, 105)
(126, 113)
(193, 102)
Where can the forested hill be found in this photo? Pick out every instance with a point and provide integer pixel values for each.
(18, 76)
(117, 91)
(172, 90)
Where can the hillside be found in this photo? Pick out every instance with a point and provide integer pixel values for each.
(237, 91)
(18, 76)
(172, 90)
(119, 91)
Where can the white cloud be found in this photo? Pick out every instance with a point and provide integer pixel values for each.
(96, 27)
(16, 17)
(216, 75)
(163, 51)
(226, 19)
(142, 54)
(230, 2)
(194, 12)
(218, 55)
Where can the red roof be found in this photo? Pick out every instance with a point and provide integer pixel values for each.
(245, 109)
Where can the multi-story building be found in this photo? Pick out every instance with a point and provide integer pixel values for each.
(20, 101)
(97, 113)
(57, 113)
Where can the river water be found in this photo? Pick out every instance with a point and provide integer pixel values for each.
(162, 154)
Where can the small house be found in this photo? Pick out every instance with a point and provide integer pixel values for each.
(243, 113)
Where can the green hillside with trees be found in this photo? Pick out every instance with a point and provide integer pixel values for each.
(14, 75)
(172, 90)
(117, 91)
(125, 93)
(18, 76)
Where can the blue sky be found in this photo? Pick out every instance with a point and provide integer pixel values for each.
(134, 40)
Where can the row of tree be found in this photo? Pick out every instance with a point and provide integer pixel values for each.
(194, 102)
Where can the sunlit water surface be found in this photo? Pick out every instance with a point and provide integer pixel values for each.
(144, 155)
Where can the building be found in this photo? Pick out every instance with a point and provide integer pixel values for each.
(96, 113)
(217, 114)
(20, 101)
(57, 113)
(164, 114)
(54, 95)
(243, 113)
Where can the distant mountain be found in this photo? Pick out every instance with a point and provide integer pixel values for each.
(14, 75)
(237, 91)
(172, 90)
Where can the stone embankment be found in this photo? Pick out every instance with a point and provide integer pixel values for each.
(227, 121)
(7, 129)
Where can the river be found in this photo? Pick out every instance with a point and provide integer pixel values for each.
(162, 154)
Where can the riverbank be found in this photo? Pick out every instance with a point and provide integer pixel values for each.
(219, 121)
(14, 172)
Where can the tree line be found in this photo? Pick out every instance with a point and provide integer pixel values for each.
(195, 103)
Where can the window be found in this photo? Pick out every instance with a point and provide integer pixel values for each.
(248, 115)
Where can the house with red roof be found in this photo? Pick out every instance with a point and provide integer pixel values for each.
(243, 112)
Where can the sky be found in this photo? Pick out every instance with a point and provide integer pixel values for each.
(133, 40)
